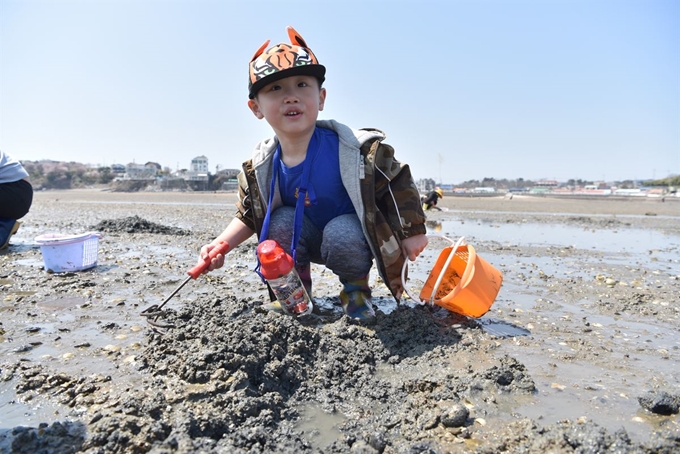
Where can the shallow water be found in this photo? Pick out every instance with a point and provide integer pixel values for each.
(621, 240)
(573, 388)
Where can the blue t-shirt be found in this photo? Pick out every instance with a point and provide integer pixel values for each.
(326, 198)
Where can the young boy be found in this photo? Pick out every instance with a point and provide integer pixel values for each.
(357, 202)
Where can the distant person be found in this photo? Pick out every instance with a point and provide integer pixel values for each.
(430, 200)
(335, 195)
(16, 196)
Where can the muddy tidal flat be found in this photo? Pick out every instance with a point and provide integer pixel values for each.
(580, 352)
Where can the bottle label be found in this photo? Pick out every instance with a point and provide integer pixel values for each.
(291, 294)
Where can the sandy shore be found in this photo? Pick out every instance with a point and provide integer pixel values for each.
(518, 203)
(579, 352)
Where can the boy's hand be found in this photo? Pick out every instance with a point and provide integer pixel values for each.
(217, 261)
(413, 246)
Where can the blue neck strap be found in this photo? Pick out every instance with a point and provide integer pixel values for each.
(299, 204)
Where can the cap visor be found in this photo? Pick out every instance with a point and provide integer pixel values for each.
(318, 71)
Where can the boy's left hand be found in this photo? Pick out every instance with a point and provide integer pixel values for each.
(413, 246)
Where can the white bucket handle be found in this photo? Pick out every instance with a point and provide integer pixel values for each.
(456, 245)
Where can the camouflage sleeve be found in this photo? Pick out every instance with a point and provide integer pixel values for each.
(244, 203)
(396, 194)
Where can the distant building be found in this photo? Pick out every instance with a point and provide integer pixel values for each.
(199, 164)
(154, 164)
(547, 184)
(229, 173)
(631, 192)
(198, 170)
(140, 172)
(117, 168)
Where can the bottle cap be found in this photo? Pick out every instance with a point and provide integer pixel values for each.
(269, 251)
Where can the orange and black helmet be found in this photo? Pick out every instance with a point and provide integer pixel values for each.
(283, 60)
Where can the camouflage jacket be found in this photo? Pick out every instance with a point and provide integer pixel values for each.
(380, 187)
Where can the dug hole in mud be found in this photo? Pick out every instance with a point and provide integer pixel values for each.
(579, 352)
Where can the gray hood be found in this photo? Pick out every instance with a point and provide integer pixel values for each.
(350, 141)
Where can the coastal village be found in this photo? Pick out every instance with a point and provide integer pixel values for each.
(199, 174)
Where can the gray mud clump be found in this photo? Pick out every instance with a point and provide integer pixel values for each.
(135, 224)
(660, 402)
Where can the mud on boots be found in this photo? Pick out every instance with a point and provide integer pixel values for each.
(278, 268)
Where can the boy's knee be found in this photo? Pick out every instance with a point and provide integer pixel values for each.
(283, 213)
(344, 245)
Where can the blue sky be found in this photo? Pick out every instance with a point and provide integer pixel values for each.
(464, 90)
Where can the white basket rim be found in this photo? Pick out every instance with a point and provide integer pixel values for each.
(54, 239)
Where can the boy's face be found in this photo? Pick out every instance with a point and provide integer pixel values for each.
(290, 105)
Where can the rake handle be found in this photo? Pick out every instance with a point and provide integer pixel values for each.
(221, 248)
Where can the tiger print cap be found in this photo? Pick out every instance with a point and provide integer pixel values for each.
(283, 60)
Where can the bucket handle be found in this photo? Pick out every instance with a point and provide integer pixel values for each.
(456, 245)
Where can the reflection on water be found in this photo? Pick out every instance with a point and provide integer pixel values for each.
(500, 328)
(534, 234)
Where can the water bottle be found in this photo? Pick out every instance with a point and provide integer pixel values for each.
(278, 268)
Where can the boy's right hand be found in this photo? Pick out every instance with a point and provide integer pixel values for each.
(216, 262)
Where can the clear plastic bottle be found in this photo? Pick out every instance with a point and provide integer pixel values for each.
(278, 268)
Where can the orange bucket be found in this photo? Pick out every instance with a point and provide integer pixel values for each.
(460, 281)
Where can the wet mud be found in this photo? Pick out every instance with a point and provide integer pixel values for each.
(135, 224)
(579, 353)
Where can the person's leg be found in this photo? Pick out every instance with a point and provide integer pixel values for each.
(344, 251)
(308, 248)
(8, 227)
(15, 199)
